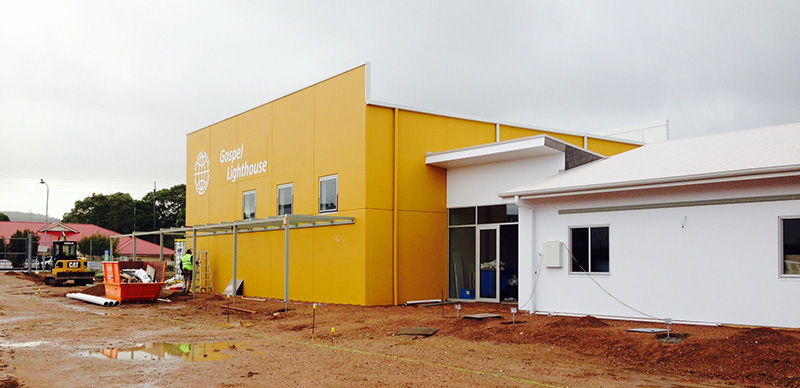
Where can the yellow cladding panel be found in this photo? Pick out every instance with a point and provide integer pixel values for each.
(301, 263)
(252, 265)
(466, 133)
(338, 267)
(293, 149)
(380, 159)
(422, 256)
(254, 129)
(509, 133)
(196, 204)
(608, 147)
(421, 187)
(379, 268)
(222, 195)
(340, 135)
(220, 253)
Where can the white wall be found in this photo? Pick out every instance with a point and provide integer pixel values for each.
(721, 266)
(478, 185)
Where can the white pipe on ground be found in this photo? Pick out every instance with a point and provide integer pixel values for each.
(105, 302)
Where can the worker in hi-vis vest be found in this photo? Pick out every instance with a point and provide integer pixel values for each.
(187, 268)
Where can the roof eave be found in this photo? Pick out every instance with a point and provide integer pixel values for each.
(717, 177)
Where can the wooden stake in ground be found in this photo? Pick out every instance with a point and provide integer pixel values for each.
(313, 320)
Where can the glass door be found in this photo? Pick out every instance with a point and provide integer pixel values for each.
(487, 253)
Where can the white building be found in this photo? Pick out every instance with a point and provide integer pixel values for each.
(702, 230)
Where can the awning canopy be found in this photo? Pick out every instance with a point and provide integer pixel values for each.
(285, 222)
(294, 221)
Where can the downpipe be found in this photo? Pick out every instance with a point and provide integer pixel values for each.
(534, 274)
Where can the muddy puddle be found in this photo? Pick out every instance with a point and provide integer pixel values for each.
(193, 352)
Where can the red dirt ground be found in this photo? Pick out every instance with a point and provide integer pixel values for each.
(537, 350)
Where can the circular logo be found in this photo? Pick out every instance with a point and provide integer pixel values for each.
(202, 172)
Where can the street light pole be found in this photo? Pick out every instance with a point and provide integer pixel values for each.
(46, 214)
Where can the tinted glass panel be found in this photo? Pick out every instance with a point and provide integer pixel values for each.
(492, 214)
(580, 249)
(599, 253)
(509, 257)
(462, 263)
(462, 216)
(791, 246)
(488, 263)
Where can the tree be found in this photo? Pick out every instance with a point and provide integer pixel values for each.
(4, 217)
(170, 207)
(95, 245)
(123, 214)
(112, 212)
(17, 245)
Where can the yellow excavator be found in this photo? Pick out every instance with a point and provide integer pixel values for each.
(68, 266)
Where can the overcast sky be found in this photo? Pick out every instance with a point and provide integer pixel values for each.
(98, 96)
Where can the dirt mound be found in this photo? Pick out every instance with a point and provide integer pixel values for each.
(96, 290)
(9, 382)
(764, 336)
(34, 277)
(577, 323)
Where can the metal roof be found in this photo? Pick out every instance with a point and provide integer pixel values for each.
(742, 155)
(526, 147)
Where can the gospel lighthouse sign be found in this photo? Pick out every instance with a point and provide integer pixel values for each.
(243, 168)
(235, 165)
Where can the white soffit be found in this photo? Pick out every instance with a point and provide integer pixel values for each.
(529, 147)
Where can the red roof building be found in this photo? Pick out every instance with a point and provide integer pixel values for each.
(76, 232)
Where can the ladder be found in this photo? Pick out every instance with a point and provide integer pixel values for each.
(203, 274)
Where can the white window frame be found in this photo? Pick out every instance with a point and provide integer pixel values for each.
(335, 179)
(781, 272)
(577, 271)
(289, 186)
(244, 203)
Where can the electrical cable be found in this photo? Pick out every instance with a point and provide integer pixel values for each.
(535, 282)
(603, 288)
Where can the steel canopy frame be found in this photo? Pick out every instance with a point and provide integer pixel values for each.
(285, 222)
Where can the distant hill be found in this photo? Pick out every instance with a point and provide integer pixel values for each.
(29, 217)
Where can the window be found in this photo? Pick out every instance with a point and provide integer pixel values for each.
(249, 205)
(589, 246)
(285, 198)
(493, 214)
(790, 230)
(462, 216)
(328, 194)
(497, 214)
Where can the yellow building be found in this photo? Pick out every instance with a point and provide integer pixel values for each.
(327, 149)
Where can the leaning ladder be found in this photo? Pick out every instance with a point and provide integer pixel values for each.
(203, 273)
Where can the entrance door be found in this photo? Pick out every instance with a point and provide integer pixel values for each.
(486, 261)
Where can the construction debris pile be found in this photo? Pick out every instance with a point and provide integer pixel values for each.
(137, 275)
